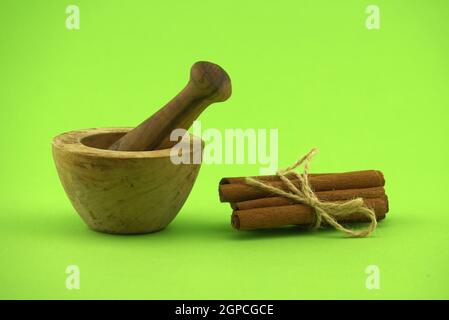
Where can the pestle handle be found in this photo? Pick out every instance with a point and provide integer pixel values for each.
(208, 83)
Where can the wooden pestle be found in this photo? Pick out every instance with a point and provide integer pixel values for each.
(208, 83)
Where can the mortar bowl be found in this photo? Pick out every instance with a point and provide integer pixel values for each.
(122, 192)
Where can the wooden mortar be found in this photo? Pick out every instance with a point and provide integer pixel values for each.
(121, 192)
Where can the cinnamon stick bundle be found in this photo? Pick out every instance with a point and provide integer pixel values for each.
(235, 189)
(297, 214)
(255, 208)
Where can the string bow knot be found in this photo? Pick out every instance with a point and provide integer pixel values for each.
(325, 211)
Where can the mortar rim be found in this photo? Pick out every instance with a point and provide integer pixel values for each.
(71, 142)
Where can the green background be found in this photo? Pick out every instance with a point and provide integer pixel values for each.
(369, 99)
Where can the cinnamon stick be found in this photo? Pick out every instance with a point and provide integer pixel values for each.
(298, 214)
(332, 195)
(234, 189)
(266, 178)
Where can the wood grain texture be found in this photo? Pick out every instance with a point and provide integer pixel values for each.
(120, 192)
(208, 83)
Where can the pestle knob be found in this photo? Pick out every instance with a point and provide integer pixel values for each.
(208, 83)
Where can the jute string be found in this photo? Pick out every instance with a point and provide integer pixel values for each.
(325, 211)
